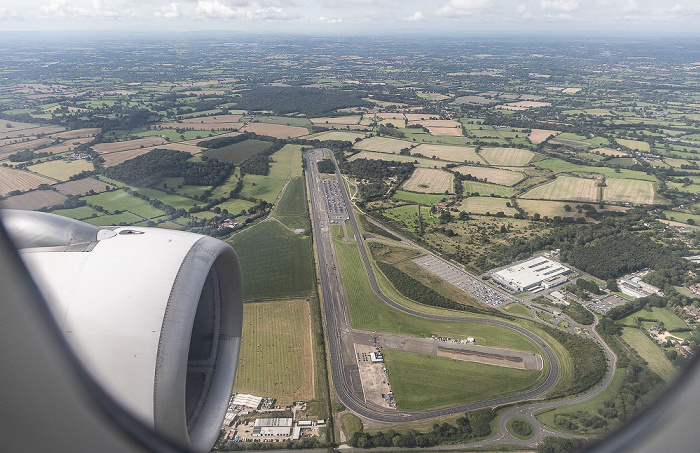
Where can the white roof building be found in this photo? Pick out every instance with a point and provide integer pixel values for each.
(246, 400)
(530, 274)
(272, 427)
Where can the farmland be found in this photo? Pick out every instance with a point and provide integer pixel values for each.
(629, 190)
(276, 353)
(11, 179)
(445, 152)
(382, 145)
(507, 157)
(649, 351)
(238, 152)
(61, 170)
(485, 189)
(428, 180)
(483, 205)
(566, 188)
(492, 175)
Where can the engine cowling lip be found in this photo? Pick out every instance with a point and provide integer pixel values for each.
(206, 255)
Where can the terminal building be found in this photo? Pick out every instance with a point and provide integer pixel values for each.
(538, 272)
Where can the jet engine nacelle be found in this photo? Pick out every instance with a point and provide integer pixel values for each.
(155, 315)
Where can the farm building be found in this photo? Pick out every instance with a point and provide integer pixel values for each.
(533, 273)
(246, 400)
(272, 427)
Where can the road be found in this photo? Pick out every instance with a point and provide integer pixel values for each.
(340, 334)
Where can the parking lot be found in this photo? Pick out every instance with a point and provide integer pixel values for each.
(337, 211)
(463, 280)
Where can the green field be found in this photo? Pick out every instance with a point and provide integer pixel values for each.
(485, 189)
(83, 212)
(422, 198)
(661, 314)
(682, 216)
(292, 209)
(276, 262)
(285, 163)
(518, 309)
(650, 352)
(276, 358)
(350, 424)
(238, 152)
(629, 190)
(409, 214)
(174, 200)
(422, 382)
(118, 200)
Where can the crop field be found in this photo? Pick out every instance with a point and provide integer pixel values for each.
(382, 144)
(11, 179)
(83, 212)
(65, 146)
(174, 200)
(180, 146)
(446, 131)
(649, 351)
(559, 165)
(422, 198)
(629, 190)
(507, 157)
(422, 162)
(276, 262)
(61, 170)
(114, 147)
(492, 175)
(675, 162)
(238, 152)
(276, 358)
(447, 152)
(294, 200)
(634, 144)
(77, 133)
(485, 189)
(275, 130)
(429, 180)
(112, 159)
(12, 148)
(523, 105)
(118, 200)
(555, 208)
(33, 200)
(566, 188)
(336, 135)
(217, 122)
(353, 119)
(539, 135)
(435, 387)
(482, 205)
(474, 100)
(127, 218)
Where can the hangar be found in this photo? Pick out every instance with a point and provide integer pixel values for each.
(533, 273)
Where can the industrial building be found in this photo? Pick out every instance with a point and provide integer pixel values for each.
(531, 274)
(273, 427)
(246, 400)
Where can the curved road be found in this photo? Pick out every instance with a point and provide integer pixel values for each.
(338, 329)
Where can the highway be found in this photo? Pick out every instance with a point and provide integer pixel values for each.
(340, 334)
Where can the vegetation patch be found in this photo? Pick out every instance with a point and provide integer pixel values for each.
(566, 188)
(520, 428)
(435, 386)
(276, 359)
(275, 262)
(650, 352)
(237, 152)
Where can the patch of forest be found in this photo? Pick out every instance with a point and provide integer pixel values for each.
(147, 169)
(311, 102)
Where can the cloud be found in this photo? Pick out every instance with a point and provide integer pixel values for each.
(216, 10)
(330, 20)
(219, 10)
(460, 8)
(168, 12)
(565, 6)
(416, 17)
(62, 9)
(679, 8)
(347, 3)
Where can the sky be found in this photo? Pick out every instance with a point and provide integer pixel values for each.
(357, 17)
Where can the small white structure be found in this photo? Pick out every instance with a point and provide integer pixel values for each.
(297, 433)
(376, 357)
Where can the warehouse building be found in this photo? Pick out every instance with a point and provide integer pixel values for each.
(273, 427)
(532, 274)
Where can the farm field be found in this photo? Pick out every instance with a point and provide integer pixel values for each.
(492, 175)
(292, 208)
(429, 180)
(275, 130)
(286, 162)
(445, 131)
(567, 188)
(539, 135)
(119, 200)
(276, 358)
(81, 213)
(336, 135)
(12, 179)
(634, 144)
(629, 190)
(447, 152)
(353, 119)
(555, 208)
(61, 170)
(382, 144)
(559, 165)
(660, 314)
(650, 352)
(106, 148)
(507, 157)
(482, 205)
(412, 391)
(289, 274)
(422, 198)
(485, 189)
(116, 158)
(609, 152)
(33, 200)
(237, 152)
(422, 162)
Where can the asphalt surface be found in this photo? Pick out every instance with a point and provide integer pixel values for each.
(340, 334)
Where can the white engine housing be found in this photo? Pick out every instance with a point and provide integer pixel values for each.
(155, 315)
